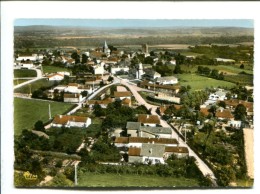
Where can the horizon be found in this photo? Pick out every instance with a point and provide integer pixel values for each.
(137, 23)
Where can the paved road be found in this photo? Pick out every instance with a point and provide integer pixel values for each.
(202, 166)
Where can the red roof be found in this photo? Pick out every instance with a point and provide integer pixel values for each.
(224, 114)
(177, 149)
(204, 111)
(122, 94)
(63, 119)
(152, 119)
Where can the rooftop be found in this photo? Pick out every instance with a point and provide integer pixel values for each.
(152, 150)
(152, 119)
(122, 94)
(133, 125)
(134, 151)
(156, 130)
(63, 119)
(176, 149)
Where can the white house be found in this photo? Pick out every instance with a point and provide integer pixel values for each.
(234, 123)
(99, 69)
(116, 69)
(64, 73)
(25, 58)
(56, 77)
(225, 60)
(70, 121)
(27, 65)
(167, 80)
(154, 132)
(72, 88)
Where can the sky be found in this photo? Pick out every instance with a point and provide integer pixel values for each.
(122, 23)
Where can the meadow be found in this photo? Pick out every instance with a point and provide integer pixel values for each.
(29, 111)
(129, 180)
(53, 69)
(198, 82)
(34, 86)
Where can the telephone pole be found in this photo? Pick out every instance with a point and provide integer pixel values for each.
(49, 111)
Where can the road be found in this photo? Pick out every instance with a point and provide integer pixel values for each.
(202, 166)
(39, 76)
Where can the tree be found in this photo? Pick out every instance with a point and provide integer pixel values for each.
(222, 104)
(110, 79)
(39, 126)
(242, 66)
(177, 69)
(76, 57)
(84, 93)
(60, 180)
(98, 111)
(84, 58)
(240, 112)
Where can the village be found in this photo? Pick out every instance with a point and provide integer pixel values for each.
(133, 107)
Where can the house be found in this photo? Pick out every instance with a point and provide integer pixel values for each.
(27, 58)
(99, 69)
(72, 88)
(119, 68)
(73, 98)
(138, 141)
(150, 74)
(170, 89)
(70, 121)
(224, 114)
(102, 103)
(147, 154)
(122, 95)
(56, 77)
(166, 80)
(149, 120)
(225, 60)
(179, 152)
(64, 73)
(27, 65)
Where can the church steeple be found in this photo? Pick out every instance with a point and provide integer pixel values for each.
(105, 48)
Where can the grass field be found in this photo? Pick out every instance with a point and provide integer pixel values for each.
(34, 86)
(19, 81)
(199, 82)
(27, 112)
(116, 180)
(24, 73)
(53, 69)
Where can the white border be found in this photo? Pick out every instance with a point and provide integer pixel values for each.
(104, 10)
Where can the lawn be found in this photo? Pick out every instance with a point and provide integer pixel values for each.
(198, 82)
(24, 73)
(117, 180)
(53, 69)
(27, 112)
(34, 86)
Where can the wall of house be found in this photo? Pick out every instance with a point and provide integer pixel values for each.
(56, 78)
(73, 100)
(153, 160)
(133, 159)
(132, 133)
(133, 144)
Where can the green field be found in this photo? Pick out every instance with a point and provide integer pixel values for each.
(117, 180)
(27, 112)
(198, 82)
(19, 81)
(34, 86)
(53, 69)
(24, 73)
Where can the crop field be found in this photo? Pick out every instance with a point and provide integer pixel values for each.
(240, 79)
(24, 73)
(28, 111)
(198, 82)
(34, 86)
(117, 180)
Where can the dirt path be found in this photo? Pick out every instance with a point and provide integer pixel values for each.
(249, 150)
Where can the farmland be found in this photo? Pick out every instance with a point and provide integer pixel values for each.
(24, 73)
(27, 112)
(198, 82)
